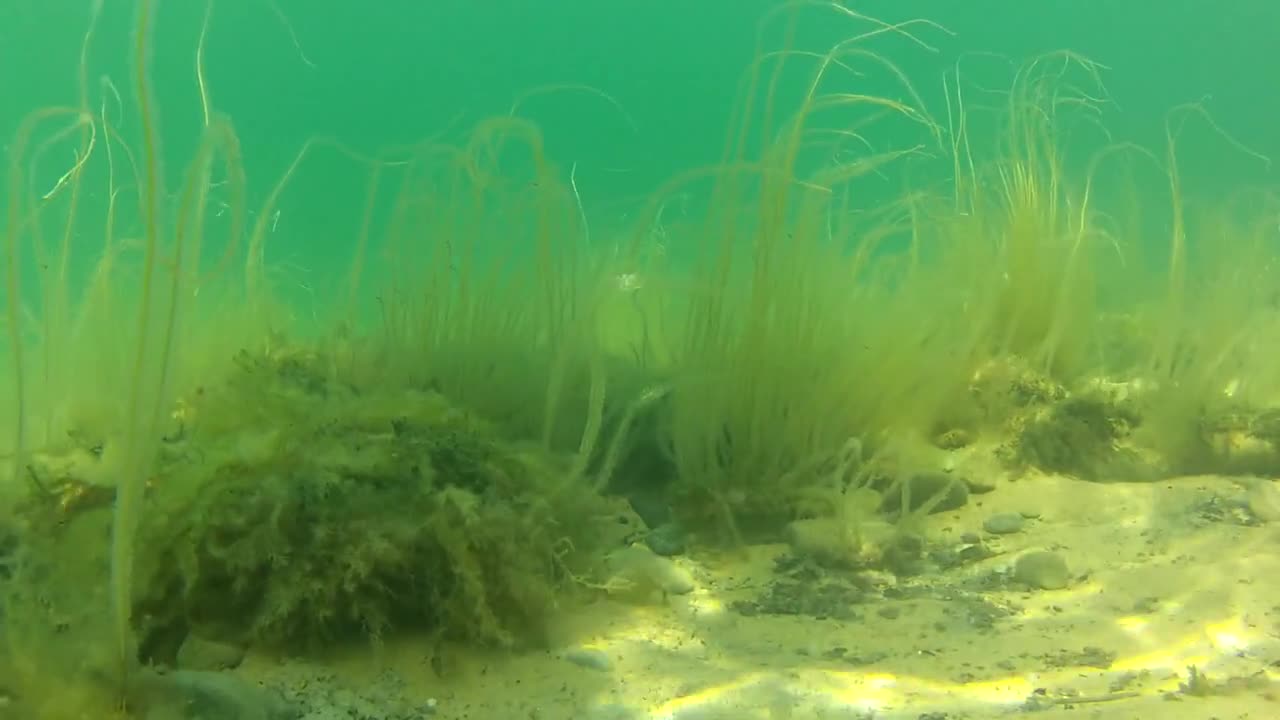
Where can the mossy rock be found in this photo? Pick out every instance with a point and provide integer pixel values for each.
(1004, 389)
(1080, 436)
(296, 512)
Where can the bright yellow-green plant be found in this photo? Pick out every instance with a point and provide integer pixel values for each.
(1023, 234)
(773, 364)
(493, 292)
(109, 335)
(856, 298)
(1212, 336)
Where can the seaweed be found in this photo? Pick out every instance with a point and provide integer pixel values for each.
(1078, 436)
(299, 512)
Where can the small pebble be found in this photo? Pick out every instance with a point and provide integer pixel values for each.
(199, 694)
(974, 553)
(819, 539)
(1004, 523)
(979, 487)
(1263, 499)
(589, 658)
(1043, 570)
(666, 540)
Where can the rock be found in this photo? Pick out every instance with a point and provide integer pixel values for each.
(904, 554)
(1004, 523)
(666, 540)
(199, 654)
(589, 658)
(974, 553)
(1043, 570)
(1263, 499)
(979, 487)
(822, 540)
(672, 578)
(638, 570)
(200, 695)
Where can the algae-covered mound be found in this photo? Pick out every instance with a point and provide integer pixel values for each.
(294, 510)
(1086, 431)
(1083, 435)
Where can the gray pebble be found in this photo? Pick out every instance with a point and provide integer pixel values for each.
(974, 553)
(203, 695)
(1004, 523)
(1043, 570)
(589, 658)
(979, 487)
(1263, 499)
(666, 540)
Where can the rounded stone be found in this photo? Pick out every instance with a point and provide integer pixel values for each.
(1042, 569)
(1004, 523)
(666, 540)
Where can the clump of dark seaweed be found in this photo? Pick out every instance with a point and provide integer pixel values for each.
(297, 511)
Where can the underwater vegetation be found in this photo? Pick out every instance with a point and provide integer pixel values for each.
(502, 410)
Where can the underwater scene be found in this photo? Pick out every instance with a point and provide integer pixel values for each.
(639, 360)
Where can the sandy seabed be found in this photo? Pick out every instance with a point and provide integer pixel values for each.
(1173, 611)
